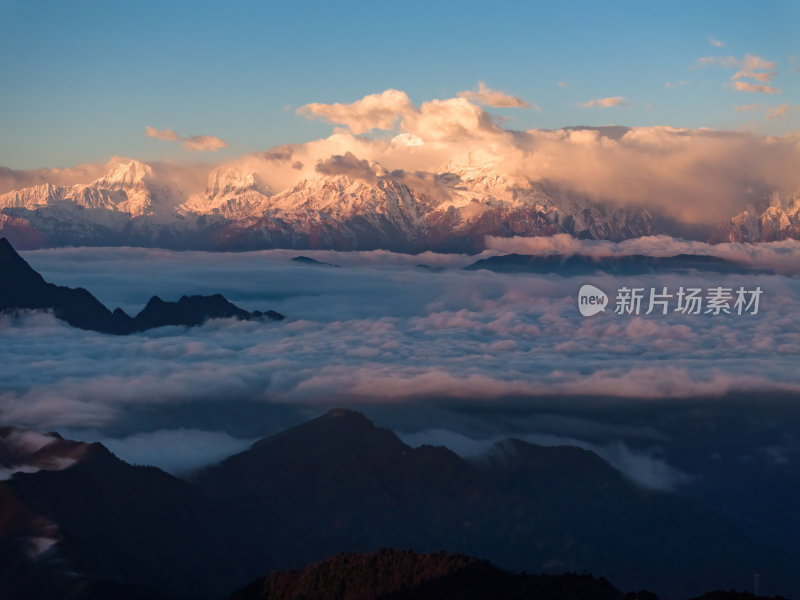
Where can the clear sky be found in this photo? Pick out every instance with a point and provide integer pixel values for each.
(80, 81)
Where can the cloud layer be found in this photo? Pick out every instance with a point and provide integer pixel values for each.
(380, 329)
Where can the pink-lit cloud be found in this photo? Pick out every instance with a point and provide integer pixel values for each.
(495, 98)
(724, 61)
(203, 143)
(168, 135)
(747, 107)
(192, 143)
(374, 111)
(751, 66)
(694, 175)
(605, 102)
(436, 120)
(755, 67)
(745, 86)
(781, 110)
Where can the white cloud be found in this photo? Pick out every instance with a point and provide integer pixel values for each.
(777, 256)
(744, 86)
(373, 331)
(747, 107)
(781, 110)
(495, 98)
(374, 111)
(162, 134)
(15, 179)
(450, 119)
(54, 464)
(751, 66)
(192, 143)
(724, 61)
(19, 448)
(640, 467)
(203, 143)
(715, 42)
(176, 451)
(754, 67)
(605, 102)
(694, 175)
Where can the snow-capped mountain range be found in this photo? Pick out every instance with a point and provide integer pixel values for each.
(776, 217)
(451, 210)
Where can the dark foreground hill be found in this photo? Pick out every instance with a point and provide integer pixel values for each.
(21, 287)
(75, 517)
(406, 575)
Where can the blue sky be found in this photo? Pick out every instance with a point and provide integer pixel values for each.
(82, 80)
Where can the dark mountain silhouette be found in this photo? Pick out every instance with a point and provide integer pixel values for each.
(340, 484)
(194, 310)
(21, 287)
(627, 265)
(403, 574)
(735, 595)
(116, 525)
(307, 260)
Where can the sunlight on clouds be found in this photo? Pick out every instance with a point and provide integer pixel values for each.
(605, 102)
(746, 86)
(750, 67)
(747, 108)
(781, 110)
(495, 98)
(192, 143)
(375, 111)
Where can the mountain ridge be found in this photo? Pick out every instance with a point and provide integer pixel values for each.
(339, 483)
(399, 575)
(369, 208)
(23, 288)
(362, 206)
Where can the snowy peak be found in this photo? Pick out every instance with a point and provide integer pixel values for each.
(226, 180)
(125, 175)
(346, 196)
(129, 189)
(347, 203)
(231, 192)
(775, 217)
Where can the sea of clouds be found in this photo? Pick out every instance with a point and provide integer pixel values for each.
(382, 330)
